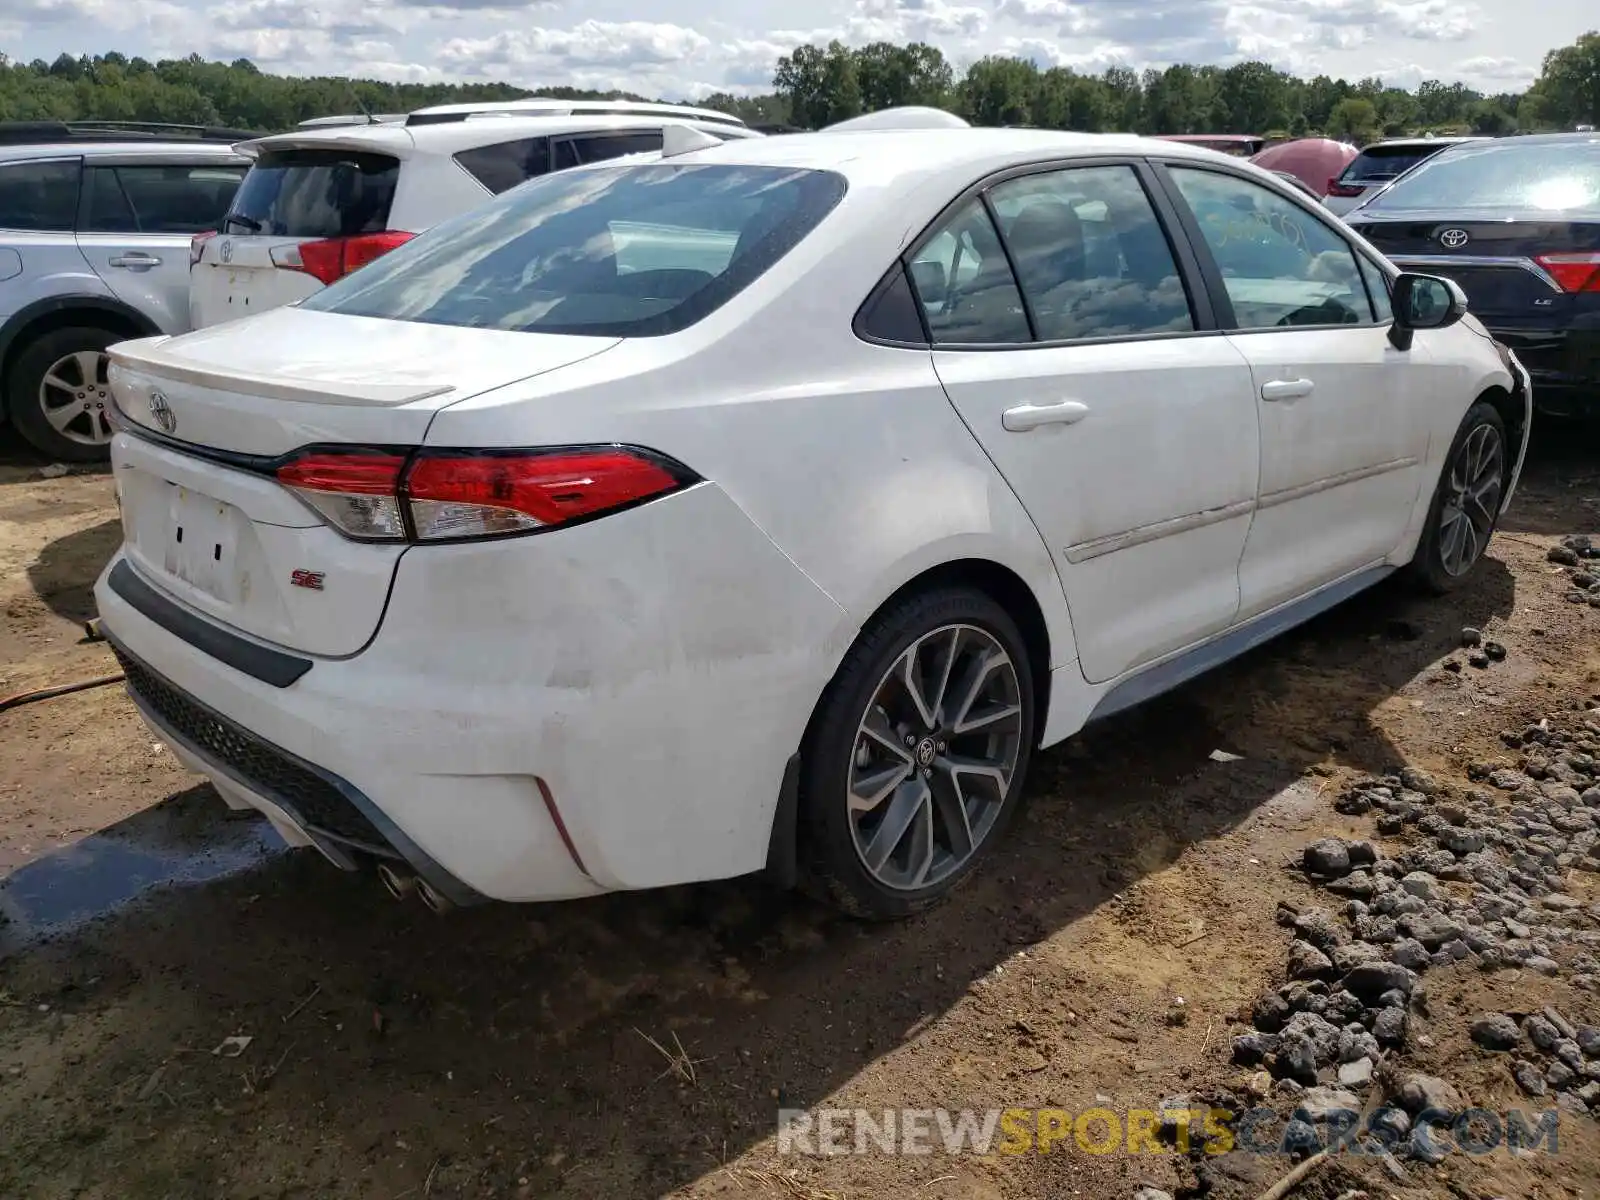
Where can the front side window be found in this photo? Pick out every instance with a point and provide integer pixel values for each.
(1281, 266)
(625, 251)
(1377, 289)
(965, 285)
(39, 197)
(1091, 255)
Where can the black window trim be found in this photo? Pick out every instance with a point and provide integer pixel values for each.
(34, 160)
(1212, 274)
(1168, 218)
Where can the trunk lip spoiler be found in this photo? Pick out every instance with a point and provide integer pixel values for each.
(149, 356)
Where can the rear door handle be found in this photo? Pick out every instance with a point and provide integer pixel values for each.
(1030, 416)
(1287, 389)
(135, 260)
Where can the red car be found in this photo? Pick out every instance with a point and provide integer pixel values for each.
(1313, 161)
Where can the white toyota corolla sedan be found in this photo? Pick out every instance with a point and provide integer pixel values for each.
(767, 505)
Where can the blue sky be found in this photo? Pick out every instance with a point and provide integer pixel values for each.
(687, 48)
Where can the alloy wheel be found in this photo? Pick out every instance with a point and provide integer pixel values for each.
(934, 757)
(74, 396)
(1472, 500)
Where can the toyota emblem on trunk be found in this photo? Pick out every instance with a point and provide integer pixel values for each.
(227, 250)
(161, 412)
(1454, 239)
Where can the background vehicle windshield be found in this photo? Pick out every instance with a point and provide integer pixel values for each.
(1548, 176)
(620, 252)
(1386, 162)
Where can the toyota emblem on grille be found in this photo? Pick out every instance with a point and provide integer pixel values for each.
(1454, 239)
(161, 412)
(227, 250)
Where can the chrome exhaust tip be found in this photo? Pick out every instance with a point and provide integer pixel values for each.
(397, 885)
(432, 897)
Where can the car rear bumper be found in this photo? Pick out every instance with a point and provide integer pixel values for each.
(1563, 363)
(594, 709)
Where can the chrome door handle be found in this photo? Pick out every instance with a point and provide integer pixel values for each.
(135, 261)
(1030, 416)
(1287, 389)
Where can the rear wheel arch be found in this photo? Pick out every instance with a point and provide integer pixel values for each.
(986, 576)
(66, 312)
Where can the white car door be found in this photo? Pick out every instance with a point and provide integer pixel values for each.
(1344, 416)
(135, 223)
(1128, 433)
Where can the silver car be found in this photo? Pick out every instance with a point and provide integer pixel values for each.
(96, 222)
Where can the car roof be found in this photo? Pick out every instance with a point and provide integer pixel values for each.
(878, 156)
(139, 149)
(1452, 140)
(448, 138)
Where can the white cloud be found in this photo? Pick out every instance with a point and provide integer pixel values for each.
(690, 47)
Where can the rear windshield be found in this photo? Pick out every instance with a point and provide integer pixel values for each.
(1506, 173)
(625, 251)
(314, 194)
(1386, 162)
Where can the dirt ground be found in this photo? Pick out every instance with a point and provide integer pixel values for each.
(530, 1051)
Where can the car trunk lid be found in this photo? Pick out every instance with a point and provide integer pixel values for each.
(208, 415)
(1509, 264)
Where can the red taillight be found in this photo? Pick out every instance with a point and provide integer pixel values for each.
(1573, 272)
(332, 259)
(358, 494)
(465, 494)
(1345, 191)
(479, 495)
(197, 245)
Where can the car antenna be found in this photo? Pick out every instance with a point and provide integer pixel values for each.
(362, 108)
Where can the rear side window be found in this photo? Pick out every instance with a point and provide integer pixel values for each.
(1386, 162)
(598, 147)
(1091, 255)
(39, 197)
(629, 251)
(315, 194)
(964, 283)
(504, 165)
(158, 199)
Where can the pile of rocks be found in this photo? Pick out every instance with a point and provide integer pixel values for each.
(1551, 1054)
(1354, 988)
(1580, 555)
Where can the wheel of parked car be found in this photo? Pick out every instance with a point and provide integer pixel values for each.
(58, 394)
(916, 760)
(1466, 506)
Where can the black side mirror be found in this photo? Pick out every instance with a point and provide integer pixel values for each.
(929, 279)
(1424, 302)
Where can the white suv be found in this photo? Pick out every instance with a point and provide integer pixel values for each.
(95, 223)
(320, 202)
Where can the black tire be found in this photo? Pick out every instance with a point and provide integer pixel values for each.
(1427, 568)
(832, 868)
(23, 382)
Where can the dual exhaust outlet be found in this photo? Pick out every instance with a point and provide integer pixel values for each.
(401, 885)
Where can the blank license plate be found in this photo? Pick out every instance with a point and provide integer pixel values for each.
(201, 541)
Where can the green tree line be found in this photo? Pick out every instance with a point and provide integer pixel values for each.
(817, 85)
(823, 84)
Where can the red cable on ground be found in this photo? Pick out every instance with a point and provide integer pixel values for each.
(63, 689)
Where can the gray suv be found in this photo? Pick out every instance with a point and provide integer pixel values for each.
(96, 223)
